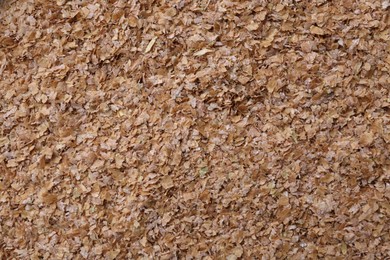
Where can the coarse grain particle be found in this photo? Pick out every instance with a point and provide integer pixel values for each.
(194, 129)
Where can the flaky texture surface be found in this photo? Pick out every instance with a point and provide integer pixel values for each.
(194, 129)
